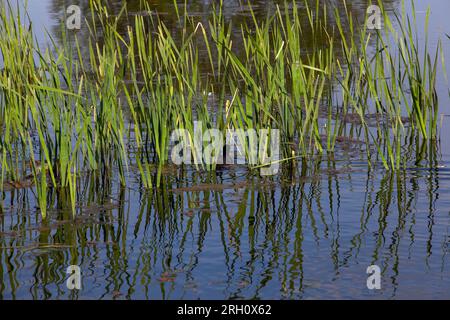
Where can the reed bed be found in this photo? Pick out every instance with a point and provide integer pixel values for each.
(64, 112)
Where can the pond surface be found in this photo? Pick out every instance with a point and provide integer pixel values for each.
(229, 235)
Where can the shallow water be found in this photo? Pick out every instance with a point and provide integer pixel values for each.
(308, 235)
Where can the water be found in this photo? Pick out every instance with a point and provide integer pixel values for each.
(234, 236)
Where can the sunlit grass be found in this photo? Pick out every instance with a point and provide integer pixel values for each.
(118, 105)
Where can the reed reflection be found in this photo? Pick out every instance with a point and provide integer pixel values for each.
(304, 233)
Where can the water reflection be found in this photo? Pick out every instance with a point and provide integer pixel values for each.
(310, 234)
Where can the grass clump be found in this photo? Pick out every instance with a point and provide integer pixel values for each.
(113, 101)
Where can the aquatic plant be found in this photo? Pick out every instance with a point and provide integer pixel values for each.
(64, 112)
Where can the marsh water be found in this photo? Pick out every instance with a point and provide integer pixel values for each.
(308, 233)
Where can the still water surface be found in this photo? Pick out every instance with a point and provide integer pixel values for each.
(229, 235)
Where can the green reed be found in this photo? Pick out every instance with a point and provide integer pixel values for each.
(113, 101)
